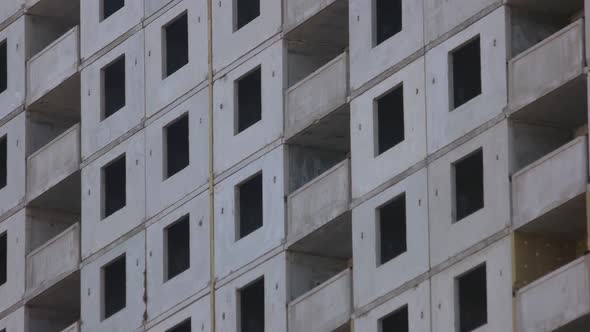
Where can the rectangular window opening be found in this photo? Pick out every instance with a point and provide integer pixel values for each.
(390, 119)
(472, 299)
(247, 11)
(177, 244)
(3, 66)
(114, 287)
(388, 19)
(114, 186)
(251, 311)
(249, 103)
(392, 229)
(185, 326)
(468, 185)
(466, 71)
(176, 151)
(113, 87)
(109, 7)
(3, 258)
(249, 199)
(396, 321)
(176, 44)
(3, 161)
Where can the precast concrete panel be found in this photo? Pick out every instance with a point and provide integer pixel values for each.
(130, 317)
(448, 236)
(97, 131)
(97, 232)
(153, 6)
(497, 258)
(162, 191)
(9, 8)
(164, 294)
(372, 279)
(13, 193)
(14, 95)
(15, 321)
(98, 32)
(232, 253)
(367, 59)
(232, 146)
(446, 123)
(161, 90)
(198, 312)
(370, 169)
(13, 290)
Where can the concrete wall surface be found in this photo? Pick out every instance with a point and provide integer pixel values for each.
(14, 95)
(13, 290)
(14, 191)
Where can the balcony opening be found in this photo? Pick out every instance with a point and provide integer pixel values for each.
(3, 162)
(392, 229)
(177, 244)
(396, 321)
(176, 153)
(109, 7)
(247, 11)
(3, 67)
(114, 186)
(113, 87)
(390, 120)
(185, 326)
(176, 45)
(251, 311)
(466, 72)
(249, 103)
(468, 185)
(249, 209)
(472, 299)
(114, 287)
(3, 258)
(388, 19)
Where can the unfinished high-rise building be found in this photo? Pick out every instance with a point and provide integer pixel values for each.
(294, 166)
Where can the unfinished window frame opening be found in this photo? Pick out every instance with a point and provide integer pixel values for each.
(175, 51)
(387, 20)
(114, 186)
(250, 298)
(109, 7)
(397, 320)
(249, 194)
(245, 11)
(465, 76)
(392, 239)
(113, 87)
(3, 258)
(184, 326)
(176, 145)
(177, 258)
(471, 308)
(3, 162)
(3, 66)
(468, 185)
(389, 118)
(113, 289)
(248, 100)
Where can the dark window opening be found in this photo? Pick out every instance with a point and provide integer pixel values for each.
(185, 326)
(3, 162)
(177, 146)
(114, 286)
(466, 63)
(472, 296)
(109, 7)
(249, 205)
(3, 258)
(396, 321)
(176, 41)
(251, 299)
(390, 119)
(469, 196)
(177, 247)
(3, 67)
(113, 84)
(114, 182)
(249, 103)
(392, 229)
(248, 10)
(388, 15)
